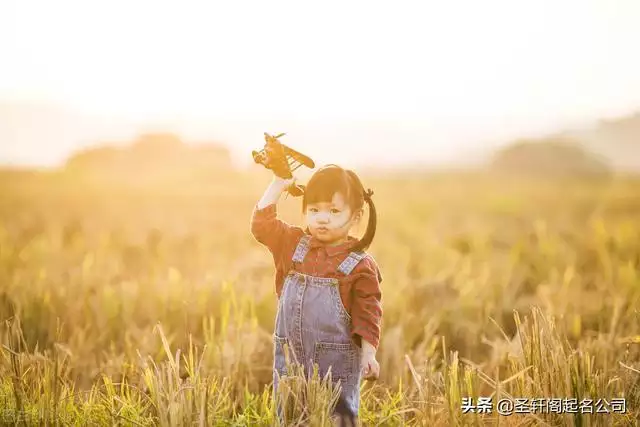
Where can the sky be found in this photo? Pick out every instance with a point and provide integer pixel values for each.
(348, 80)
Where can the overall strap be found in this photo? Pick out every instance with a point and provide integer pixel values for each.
(301, 249)
(351, 261)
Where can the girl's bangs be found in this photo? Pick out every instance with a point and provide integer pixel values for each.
(324, 185)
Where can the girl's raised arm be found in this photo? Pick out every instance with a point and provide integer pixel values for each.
(273, 191)
(266, 227)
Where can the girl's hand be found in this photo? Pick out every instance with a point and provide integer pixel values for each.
(282, 184)
(370, 366)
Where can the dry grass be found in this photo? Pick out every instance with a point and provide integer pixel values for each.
(156, 307)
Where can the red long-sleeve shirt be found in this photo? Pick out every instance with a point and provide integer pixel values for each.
(360, 290)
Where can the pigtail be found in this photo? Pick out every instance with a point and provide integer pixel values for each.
(369, 234)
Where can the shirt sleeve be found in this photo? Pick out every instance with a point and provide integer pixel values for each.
(366, 312)
(274, 233)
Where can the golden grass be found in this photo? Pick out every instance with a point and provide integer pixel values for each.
(155, 306)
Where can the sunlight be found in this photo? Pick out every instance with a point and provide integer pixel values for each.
(492, 68)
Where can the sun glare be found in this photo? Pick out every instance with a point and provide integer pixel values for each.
(492, 68)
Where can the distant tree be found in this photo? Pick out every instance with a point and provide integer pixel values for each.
(153, 157)
(157, 150)
(553, 157)
(94, 159)
(626, 128)
(618, 140)
(211, 155)
(158, 143)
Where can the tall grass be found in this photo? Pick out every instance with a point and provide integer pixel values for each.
(152, 308)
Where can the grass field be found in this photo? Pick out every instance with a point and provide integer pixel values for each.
(155, 306)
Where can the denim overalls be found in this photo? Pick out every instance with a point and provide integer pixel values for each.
(314, 323)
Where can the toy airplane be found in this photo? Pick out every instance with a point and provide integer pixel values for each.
(282, 160)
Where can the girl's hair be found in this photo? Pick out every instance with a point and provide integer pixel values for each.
(331, 179)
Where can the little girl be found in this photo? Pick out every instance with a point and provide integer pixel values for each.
(329, 298)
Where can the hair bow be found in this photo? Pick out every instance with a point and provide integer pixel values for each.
(367, 194)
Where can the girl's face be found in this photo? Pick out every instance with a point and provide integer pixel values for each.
(330, 222)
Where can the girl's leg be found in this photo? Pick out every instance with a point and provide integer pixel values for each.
(276, 401)
(344, 415)
(348, 405)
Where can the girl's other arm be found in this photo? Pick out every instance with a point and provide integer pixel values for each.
(367, 306)
(368, 348)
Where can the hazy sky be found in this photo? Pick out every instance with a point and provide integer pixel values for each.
(427, 76)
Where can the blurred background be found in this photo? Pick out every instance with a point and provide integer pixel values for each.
(443, 84)
(501, 139)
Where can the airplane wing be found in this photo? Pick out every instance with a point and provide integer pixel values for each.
(299, 157)
(281, 159)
